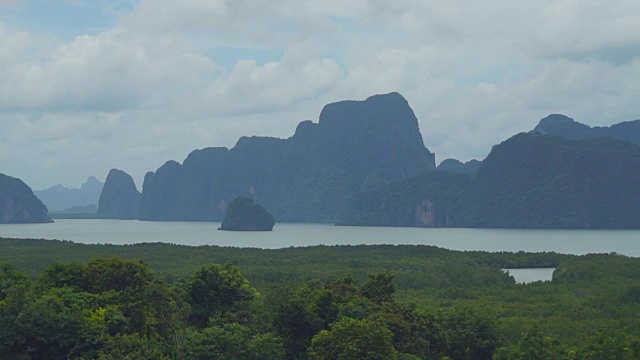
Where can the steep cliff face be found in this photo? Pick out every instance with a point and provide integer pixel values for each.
(18, 204)
(426, 200)
(119, 198)
(564, 126)
(356, 145)
(426, 213)
(539, 181)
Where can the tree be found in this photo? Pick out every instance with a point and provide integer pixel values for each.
(219, 292)
(233, 342)
(353, 339)
(379, 288)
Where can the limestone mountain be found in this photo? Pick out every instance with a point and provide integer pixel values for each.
(243, 215)
(426, 200)
(561, 125)
(470, 167)
(311, 176)
(540, 181)
(18, 204)
(119, 198)
(58, 197)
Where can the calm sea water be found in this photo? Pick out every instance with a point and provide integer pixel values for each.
(526, 276)
(577, 242)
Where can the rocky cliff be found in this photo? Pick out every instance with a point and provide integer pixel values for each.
(119, 198)
(539, 181)
(311, 176)
(18, 204)
(426, 200)
(243, 215)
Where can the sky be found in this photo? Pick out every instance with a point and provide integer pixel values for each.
(86, 86)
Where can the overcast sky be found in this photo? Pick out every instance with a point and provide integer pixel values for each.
(86, 86)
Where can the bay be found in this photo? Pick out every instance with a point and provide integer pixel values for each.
(95, 231)
(529, 275)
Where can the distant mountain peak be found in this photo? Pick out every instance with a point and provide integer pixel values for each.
(566, 127)
(18, 204)
(119, 197)
(309, 176)
(58, 197)
(557, 118)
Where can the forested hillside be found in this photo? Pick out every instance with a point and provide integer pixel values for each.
(63, 300)
(541, 181)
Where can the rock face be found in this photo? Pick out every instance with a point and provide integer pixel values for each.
(311, 176)
(18, 204)
(564, 126)
(58, 198)
(540, 181)
(470, 167)
(426, 200)
(244, 215)
(119, 198)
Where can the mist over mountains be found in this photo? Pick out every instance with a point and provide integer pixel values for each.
(60, 198)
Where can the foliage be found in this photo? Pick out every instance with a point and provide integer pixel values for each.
(402, 302)
(218, 293)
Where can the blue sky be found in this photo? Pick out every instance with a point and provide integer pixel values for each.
(86, 86)
(65, 19)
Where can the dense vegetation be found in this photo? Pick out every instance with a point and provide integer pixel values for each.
(541, 181)
(323, 302)
(311, 176)
(243, 215)
(425, 200)
(18, 204)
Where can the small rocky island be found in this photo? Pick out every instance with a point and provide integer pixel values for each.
(243, 215)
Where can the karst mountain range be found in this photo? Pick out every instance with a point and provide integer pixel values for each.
(365, 163)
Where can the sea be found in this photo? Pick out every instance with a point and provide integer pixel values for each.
(120, 232)
(98, 231)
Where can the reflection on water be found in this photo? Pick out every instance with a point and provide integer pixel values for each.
(530, 275)
(94, 231)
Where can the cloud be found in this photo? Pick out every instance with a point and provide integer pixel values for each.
(166, 77)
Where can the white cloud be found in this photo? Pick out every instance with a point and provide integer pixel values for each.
(146, 90)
